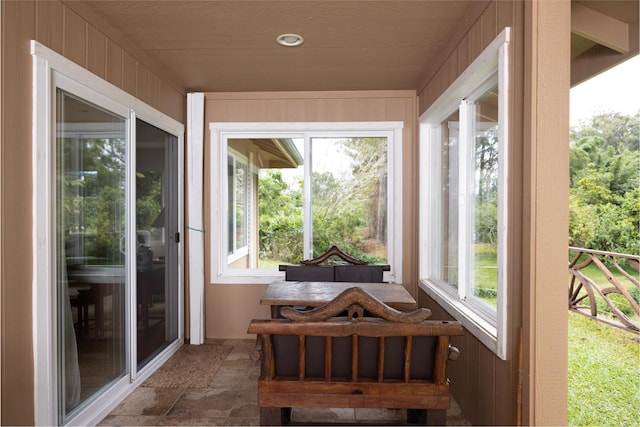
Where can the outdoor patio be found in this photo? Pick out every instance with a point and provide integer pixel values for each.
(216, 384)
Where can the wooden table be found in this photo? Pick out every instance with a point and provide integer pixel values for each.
(314, 294)
(101, 282)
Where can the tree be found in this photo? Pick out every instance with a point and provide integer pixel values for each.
(369, 182)
(604, 157)
(280, 215)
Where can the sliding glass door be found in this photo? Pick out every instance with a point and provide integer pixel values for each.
(158, 240)
(91, 251)
(116, 250)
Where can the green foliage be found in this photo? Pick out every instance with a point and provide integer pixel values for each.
(635, 294)
(486, 166)
(281, 216)
(93, 185)
(346, 210)
(581, 231)
(604, 201)
(486, 223)
(148, 198)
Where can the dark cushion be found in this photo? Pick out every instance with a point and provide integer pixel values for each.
(285, 348)
(359, 273)
(422, 357)
(423, 353)
(309, 273)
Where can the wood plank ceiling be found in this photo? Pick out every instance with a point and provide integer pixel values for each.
(228, 46)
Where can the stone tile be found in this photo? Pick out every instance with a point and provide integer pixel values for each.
(205, 403)
(131, 420)
(242, 421)
(455, 417)
(237, 374)
(148, 401)
(376, 415)
(192, 421)
(231, 398)
(241, 355)
(323, 415)
(245, 405)
(241, 346)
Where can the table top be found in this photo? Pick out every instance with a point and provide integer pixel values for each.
(314, 294)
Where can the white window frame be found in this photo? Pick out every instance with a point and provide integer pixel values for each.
(222, 132)
(486, 324)
(50, 71)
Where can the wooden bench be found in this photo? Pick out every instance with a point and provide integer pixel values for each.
(392, 360)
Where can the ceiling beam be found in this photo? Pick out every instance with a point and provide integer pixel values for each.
(600, 28)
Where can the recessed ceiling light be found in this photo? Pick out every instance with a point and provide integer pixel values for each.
(290, 40)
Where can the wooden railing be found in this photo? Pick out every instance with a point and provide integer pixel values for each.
(601, 294)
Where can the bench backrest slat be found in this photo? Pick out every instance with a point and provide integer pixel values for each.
(441, 361)
(368, 327)
(302, 356)
(381, 348)
(397, 348)
(354, 358)
(407, 358)
(328, 346)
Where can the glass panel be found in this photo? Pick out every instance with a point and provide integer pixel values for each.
(240, 205)
(90, 254)
(231, 204)
(156, 217)
(280, 216)
(238, 210)
(265, 201)
(349, 196)
(485, 237)
(449, 202)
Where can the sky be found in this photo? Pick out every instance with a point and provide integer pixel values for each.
(616, 90)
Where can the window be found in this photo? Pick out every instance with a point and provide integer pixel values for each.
(463, 197)
(290, 191)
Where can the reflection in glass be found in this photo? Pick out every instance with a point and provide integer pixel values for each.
(90, 251)
(450, 131)
(238, 196)
(156, 210)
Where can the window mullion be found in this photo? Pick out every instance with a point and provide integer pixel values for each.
(435, 216)
(307, 202)
(251, 218)
(465, 200)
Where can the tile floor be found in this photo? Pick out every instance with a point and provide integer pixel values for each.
(227, 398)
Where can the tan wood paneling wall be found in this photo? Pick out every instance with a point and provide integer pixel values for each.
(545, 192)
(61, 29)
(483, 384)
(230, 308)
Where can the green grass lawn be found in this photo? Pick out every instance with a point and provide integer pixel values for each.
(485, 273)
(604, 374)
(270, 263)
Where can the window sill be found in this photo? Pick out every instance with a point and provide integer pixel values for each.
(479, 327)
(247, 277)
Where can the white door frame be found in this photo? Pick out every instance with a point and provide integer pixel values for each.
(49, 70)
